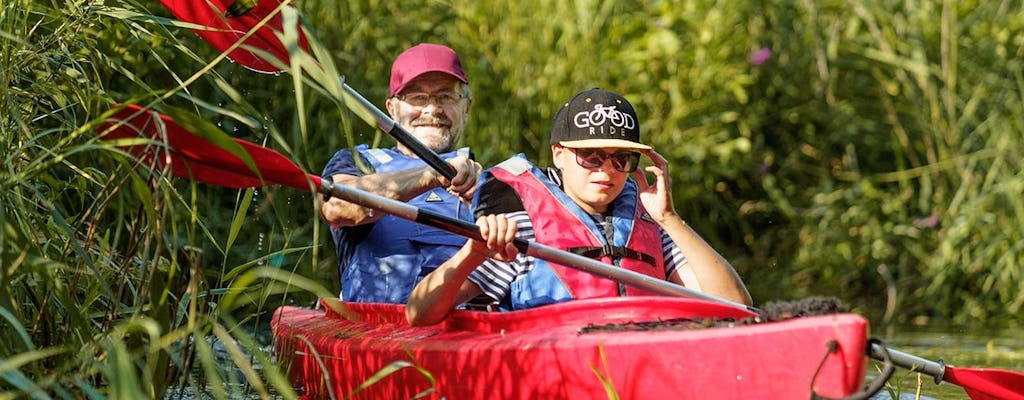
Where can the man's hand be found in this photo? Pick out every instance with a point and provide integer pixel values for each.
(463, 184)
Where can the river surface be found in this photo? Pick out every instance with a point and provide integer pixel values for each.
(960, 347)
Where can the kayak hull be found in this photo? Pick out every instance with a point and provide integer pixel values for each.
(629, 348)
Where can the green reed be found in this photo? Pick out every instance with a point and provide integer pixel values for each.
(118, 277)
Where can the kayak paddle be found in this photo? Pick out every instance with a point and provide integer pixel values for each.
(215, 158)
(228, 24)
(979, 383)
(222, 27)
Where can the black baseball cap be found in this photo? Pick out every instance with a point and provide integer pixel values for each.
(596, 118)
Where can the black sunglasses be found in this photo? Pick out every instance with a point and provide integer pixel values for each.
(623, 161)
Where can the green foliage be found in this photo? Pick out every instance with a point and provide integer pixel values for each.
(908, 125)
(866, 151)
(107, 288)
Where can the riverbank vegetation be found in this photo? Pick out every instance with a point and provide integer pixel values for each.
(870, 152)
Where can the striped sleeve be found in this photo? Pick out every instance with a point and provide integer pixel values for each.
(674, 258)
(495, 277)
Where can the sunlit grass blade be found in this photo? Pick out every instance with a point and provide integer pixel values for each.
(245, 280)
(14, 323)
(10, 370)
(241, 213)
(121, 373)
(606, 381)
(389, 369)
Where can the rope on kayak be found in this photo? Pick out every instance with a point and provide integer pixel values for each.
(771, 312)
(674, 324)
(807, 307)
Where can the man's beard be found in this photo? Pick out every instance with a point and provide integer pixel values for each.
(442, 137)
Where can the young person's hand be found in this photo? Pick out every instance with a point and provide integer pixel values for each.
(498, 234)
(656, 198)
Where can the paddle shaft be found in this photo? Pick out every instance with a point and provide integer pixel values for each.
(914, 363)
(374, 116)
(471, 231)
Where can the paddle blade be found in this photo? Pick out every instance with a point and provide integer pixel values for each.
(209, 156)
(227, 21)
(987, 383)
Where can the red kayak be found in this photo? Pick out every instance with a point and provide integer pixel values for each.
(625, 348)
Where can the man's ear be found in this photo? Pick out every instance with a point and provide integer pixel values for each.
(389, 104)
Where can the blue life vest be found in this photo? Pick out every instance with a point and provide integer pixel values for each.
(560, 223)
(397, 253)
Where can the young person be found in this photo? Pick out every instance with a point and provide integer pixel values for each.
(588, 206)
(380, 257)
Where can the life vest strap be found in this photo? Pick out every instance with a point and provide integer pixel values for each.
(614, 251)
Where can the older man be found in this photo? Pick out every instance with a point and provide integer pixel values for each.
(381, 257)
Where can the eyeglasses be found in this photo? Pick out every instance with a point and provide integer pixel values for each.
(623, 161)
(420, 99)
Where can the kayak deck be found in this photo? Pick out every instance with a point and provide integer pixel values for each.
(633, 347)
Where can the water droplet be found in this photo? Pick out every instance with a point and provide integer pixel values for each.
(259, 248)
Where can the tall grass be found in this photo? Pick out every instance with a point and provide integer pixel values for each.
(824, 147)
(119, 280)
(911, 153)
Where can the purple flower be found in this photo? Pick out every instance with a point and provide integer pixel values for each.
(930, 221)
(761, 56)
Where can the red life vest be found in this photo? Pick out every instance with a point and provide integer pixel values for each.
(559, 222)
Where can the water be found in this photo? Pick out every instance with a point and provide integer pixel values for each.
(235, 384)
(956, 346)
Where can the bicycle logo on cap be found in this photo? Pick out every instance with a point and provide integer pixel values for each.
(600, 114)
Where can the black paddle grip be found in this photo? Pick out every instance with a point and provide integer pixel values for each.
(459, 227)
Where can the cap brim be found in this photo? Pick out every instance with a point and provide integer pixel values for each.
(603, 143)
(445, 71)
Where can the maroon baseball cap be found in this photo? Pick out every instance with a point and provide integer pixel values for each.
(423, 58)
